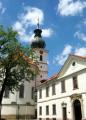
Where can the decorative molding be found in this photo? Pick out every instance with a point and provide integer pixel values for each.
(13, 103)
(60, 97)
(64, 104)
(76, 96)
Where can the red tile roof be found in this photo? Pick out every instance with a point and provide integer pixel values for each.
(53, 77)
(49, 79)
(29, 61)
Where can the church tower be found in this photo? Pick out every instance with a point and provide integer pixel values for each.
(39, 45)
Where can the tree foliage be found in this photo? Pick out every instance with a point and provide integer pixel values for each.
(16, 61)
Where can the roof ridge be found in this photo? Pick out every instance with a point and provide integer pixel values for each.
(83, 57)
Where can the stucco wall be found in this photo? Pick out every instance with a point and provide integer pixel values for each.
(65, 97)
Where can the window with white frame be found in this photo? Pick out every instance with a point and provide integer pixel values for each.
(40, 110)
(63, 86)
(47, 119)
(53, 89)
(40, 93)
(21, 91)
(75, 82)
(47, 91)
(32, 93)
(53, 118)
(47, 110)
(40, 118)
(54, 109)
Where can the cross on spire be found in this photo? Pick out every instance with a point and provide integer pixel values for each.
(38, 23)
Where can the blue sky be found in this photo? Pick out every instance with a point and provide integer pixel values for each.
(63, 23)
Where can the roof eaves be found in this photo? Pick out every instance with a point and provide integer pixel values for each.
(49, 79)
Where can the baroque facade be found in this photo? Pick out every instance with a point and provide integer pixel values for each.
(63, 96)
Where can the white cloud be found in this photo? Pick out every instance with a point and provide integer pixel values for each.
(81, 33)
(67, 50)
(2, 8)
(80, 36)
(81, 51)
(31, 15)
(47, 32)
(60, 59)
(18, 26)
(23, 36)
(70, 8)
(27, 19)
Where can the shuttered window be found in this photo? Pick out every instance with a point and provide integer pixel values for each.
(40, 110)
(53, 89)
(54, 109)
(47, 91)
(47, 110)
(63, 86)
(75, 83)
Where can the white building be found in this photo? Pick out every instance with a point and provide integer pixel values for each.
(21, 104)
(63, 96)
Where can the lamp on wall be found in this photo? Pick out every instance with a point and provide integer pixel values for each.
(64, 104)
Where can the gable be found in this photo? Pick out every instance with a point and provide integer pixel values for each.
(73, 64)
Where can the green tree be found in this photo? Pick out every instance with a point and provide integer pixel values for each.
(16, 62)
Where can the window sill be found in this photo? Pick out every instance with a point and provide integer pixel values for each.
(21, 98)
(53, 94)
(75, 88)
(63, 92)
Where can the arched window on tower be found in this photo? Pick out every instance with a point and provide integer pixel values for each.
(41, 57)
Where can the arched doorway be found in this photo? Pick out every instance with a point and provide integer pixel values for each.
(77, 110)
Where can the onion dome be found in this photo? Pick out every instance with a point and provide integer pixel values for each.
(38, 41)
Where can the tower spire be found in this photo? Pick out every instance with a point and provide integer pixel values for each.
(38, 31)
(39, 42)
(38, 23)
